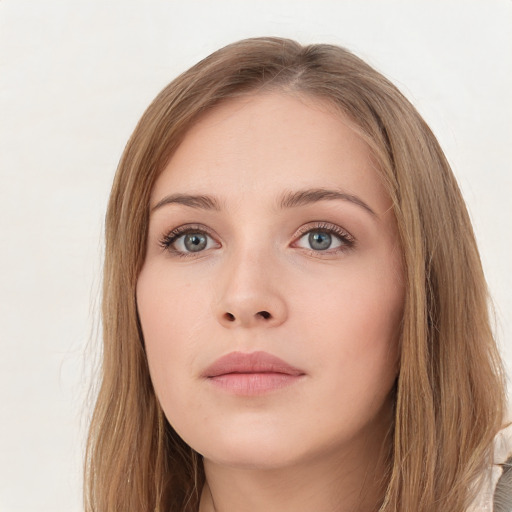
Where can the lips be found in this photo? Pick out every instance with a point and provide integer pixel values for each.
(254, 362)
(251, 373)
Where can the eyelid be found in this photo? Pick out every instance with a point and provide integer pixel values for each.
(324, 226)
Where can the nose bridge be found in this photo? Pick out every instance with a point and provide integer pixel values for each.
(250, 293)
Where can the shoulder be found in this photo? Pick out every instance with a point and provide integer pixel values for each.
(495, 494)
(502, 500)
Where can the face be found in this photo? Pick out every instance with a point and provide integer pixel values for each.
(271, 294)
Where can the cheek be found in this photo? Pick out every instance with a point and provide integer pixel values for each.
(358, 322)
(176, 320)
(170, 308)
(170, 316)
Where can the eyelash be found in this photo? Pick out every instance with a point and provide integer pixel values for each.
(347, 240)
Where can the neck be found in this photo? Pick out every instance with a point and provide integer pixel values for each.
(350, 480)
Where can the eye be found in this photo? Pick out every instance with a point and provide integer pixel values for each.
(325, 237)
(187, 240)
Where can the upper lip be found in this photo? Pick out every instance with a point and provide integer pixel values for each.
(253, 362)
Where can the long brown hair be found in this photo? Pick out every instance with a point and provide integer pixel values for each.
(450, 395)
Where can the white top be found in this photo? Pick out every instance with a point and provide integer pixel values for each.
(489, 484)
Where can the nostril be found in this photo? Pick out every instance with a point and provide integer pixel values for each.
(229, 317)
(264, 314)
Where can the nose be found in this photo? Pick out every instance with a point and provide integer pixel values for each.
(251, 294)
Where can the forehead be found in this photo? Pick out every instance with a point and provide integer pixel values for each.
(264, 143)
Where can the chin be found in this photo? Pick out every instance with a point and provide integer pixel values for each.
(249, 450)
(251, 457)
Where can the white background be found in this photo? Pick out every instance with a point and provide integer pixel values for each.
(75, 76)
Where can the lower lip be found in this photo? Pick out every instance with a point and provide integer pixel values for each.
(249, 384)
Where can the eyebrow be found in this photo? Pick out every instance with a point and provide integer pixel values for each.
(201, 202)
(308, 196)
(291, 199)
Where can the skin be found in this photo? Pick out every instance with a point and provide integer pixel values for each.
(319, 443)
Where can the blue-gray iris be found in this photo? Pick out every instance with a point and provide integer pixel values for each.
(195, 242)
(320, 240)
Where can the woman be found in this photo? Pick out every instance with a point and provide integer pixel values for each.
(295, 315)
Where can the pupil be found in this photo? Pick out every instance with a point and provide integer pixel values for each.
(195, 242)
(320, 240)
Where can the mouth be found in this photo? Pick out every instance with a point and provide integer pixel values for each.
(252, 373)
